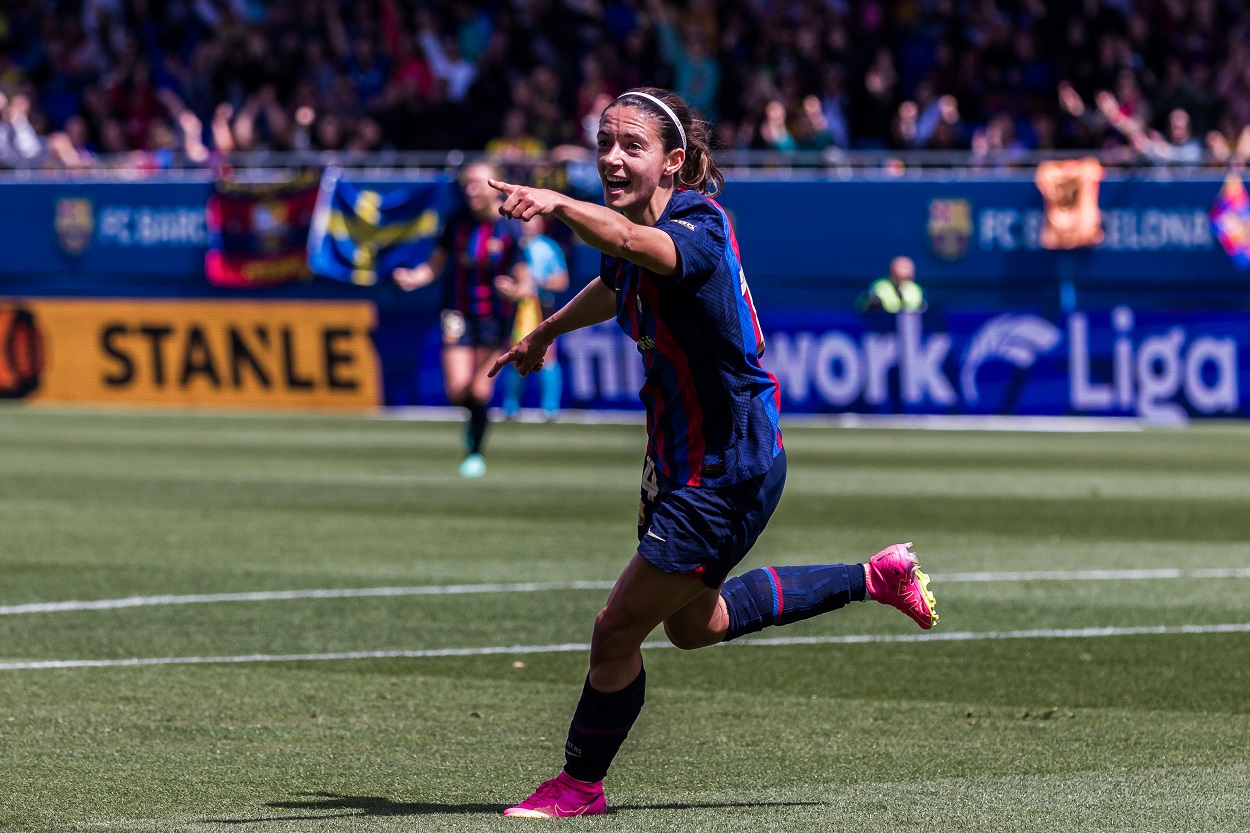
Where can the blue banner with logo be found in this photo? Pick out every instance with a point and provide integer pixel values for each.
(95, 228)
(988, 229)
(1161, 367)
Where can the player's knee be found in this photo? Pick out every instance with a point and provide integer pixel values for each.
(688, 639)
(465, 396)
(614, 632)
(608, 626)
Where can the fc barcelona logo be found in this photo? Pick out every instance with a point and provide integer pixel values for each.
(950, 228)
(74, 224)
(21, 353)
(270, 223)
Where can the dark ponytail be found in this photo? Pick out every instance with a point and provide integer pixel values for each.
(700, 171)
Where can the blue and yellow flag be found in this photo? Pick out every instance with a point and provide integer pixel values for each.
(358, 235)
(1230, 219)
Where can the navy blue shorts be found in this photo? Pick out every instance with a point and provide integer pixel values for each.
(704, 532)
(460, 330)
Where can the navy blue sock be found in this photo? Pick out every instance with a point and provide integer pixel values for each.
(781, 595)
(478, 418)
(600, 725)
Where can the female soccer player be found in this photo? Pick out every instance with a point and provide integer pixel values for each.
(488, 276)
(715, 464)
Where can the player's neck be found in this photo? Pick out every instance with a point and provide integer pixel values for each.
(649, 214)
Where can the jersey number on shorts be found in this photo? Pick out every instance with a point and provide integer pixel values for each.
(649, 484)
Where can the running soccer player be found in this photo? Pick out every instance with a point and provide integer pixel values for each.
(715, 463)
(488, 276)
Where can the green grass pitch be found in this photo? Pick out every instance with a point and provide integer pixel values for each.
(1014, 722)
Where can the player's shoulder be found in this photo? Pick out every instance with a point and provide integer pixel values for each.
(695, 212)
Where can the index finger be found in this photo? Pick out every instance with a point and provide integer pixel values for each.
(503, 187)
(502, 361)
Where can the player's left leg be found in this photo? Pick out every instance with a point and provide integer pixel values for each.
(459, 372)
(480, 389)
(614, 691)
(782, 595)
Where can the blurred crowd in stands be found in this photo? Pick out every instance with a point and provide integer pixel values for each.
(163, 82)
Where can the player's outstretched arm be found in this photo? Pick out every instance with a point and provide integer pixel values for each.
(595, 304)
(598, 226)
(423, 274)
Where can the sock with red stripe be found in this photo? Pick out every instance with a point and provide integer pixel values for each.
(600, 725)
(781, 595)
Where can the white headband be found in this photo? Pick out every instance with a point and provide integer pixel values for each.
(669, 110)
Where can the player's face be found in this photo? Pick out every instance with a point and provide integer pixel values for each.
(632, 162)
(481, 199)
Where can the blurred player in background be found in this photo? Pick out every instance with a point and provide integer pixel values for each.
(486, 277)
(715, 464)
(550, 273)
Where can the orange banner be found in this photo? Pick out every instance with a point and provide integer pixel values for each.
(231, 353)
(1070, 189)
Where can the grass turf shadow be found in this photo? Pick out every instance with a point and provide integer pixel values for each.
(367, 806)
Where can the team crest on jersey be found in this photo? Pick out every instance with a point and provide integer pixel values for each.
(74, 224)
(950, 227)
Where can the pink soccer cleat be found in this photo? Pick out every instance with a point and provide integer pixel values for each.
(561, 797)
(893, 577)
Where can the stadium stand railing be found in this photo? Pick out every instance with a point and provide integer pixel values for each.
(737, 164)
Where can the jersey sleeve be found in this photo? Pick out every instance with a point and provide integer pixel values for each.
(698, 232)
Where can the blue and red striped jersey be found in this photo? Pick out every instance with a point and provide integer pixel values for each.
(477, 251)
(712, 409)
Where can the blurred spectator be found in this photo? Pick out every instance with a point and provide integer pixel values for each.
(812, 130)
(774, 129)
(71, 147)
(1230, 145)
(696, 72)
(515, 142)
(443, 55)
(833, 104)
(1179, 147)
(19, 143)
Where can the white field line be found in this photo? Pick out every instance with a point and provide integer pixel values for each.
(572, 647)
(532, 587)
(284, 595)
